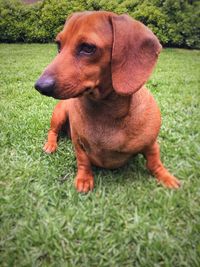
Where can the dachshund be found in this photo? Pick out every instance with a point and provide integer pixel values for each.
(99, 75)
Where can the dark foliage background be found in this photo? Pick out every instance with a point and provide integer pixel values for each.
(175, 22)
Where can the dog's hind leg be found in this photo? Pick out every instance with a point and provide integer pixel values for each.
(59, 121)
(155, 166)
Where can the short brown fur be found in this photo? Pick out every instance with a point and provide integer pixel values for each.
(112, 115)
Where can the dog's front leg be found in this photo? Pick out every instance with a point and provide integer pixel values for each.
(84, 180)
(58, 120)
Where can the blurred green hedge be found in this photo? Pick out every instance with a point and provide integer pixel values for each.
(175, 22)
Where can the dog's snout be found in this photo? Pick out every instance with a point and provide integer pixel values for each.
(45, 85)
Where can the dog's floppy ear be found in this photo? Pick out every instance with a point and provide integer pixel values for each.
(134, 54)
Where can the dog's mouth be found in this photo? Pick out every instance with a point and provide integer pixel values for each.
(61, 96)
(48, 85)
(46, 94)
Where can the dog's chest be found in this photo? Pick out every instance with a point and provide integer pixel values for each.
(96, 131)
(102, 142)
(100, 135)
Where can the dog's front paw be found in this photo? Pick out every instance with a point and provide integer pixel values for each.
(169, 181)
(50, 147)
(85, 184)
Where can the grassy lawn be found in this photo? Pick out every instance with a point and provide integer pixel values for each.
(128, 220)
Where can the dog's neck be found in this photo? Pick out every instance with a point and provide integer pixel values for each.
(113, 105)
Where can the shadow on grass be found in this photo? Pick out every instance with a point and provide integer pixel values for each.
(133, 171)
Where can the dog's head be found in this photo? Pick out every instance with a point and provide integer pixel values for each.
(100, 52)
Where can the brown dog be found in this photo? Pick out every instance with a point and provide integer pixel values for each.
(103, 63)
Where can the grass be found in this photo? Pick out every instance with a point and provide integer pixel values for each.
(128, 220)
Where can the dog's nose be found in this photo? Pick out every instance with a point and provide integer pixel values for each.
(45, 85)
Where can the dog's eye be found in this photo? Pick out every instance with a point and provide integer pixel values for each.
(87, 49)
(58, 46)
